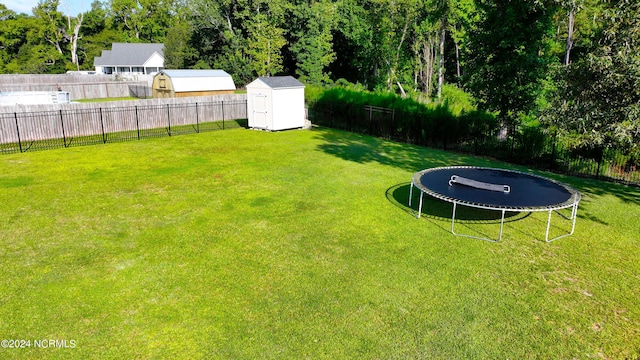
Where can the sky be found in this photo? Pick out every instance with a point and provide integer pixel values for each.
(67, 7)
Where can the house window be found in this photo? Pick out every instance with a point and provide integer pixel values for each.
(163, 84)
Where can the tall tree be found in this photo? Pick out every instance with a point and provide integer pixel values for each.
(73, 36)
(509, 56)
(264, 46)
(178, 51)
(354, 43)
(461, 19)
(244, 37)
(52, 23)
(312, 45)
(9, 42)
(425, 47)
(598, 101)
(572, 7)
(393, 21)
(97, 34)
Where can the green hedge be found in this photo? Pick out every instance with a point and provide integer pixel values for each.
(444, 124)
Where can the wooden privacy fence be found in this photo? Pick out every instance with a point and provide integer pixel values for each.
(23, 131)
(80, 86)
(92, 90)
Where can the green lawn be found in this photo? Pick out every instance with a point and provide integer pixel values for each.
(242, 244)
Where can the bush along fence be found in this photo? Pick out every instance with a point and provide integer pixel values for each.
(475, 133)
(28, 131)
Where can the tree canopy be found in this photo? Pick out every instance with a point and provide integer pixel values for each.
(572, 63)
(597, 100)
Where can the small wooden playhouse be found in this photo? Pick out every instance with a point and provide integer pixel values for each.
(275, 103)
(183, 83)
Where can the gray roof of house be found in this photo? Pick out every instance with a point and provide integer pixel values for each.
(128, 54)
(275, 82)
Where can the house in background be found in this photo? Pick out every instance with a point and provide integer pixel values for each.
(130, 59)
(182, 83)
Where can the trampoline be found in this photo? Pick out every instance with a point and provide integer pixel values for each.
(496, 189)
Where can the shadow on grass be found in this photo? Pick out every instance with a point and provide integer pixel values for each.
(440, 209)
(436, 210)
(626, 193)
(592, 190)
(366, 149)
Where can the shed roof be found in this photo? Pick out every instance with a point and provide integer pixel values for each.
(280, 82)
(199, 80)
(176, 73)
(128, 54)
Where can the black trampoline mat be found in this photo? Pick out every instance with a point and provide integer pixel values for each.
(527, 191)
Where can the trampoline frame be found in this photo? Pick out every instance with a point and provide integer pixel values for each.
(572, 202)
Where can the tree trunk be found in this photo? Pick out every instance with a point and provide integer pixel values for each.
(74, 40)
(427, 51)
(570, 26)
(391, 75)
(458, 61)
(443, 33)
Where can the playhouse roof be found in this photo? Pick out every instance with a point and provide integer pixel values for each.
(278, 82)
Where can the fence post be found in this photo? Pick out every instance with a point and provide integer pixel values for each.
(15, 116)
(370, 117)
(64, 136)
(600, 158)
(370, 132)
(169, 119)
(393, 126)
(104, 136)
(553, 151)
(222, 114)
(137, 122)
(197, 119)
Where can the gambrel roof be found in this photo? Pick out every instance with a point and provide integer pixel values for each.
(199, 80)
(128, 54)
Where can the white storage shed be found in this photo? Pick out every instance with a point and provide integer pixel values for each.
(275, 103)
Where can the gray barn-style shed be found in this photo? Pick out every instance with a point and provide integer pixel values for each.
(275, 103)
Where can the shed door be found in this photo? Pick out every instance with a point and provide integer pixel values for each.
(260, 111)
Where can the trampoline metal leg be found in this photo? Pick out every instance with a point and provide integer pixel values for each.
(453, 219)
(546, 236)
(411, 200)
(501, 225)
(410, 194)
(574, 216)
(453, 224)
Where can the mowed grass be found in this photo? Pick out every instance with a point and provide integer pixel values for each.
(242, 244)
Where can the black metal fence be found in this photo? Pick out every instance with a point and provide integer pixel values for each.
(28, 131)
(476, 134)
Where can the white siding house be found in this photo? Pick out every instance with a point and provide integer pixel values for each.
(275, 103)
(130, 59)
